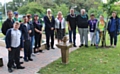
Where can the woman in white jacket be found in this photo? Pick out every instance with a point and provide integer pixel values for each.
(60, 25)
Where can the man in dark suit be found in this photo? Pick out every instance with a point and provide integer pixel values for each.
(49, 28)
(26, 31)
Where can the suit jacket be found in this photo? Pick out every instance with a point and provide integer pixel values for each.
(49, 24)
(32, 27)
(24, 30)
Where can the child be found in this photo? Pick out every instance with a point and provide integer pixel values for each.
(14, 43)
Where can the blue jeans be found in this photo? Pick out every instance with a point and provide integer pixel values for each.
(74, 36)
(97, 37)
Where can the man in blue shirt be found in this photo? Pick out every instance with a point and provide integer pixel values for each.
(113, 28)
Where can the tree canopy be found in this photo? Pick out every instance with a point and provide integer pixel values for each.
(40, 6)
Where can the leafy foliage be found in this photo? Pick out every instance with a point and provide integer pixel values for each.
(109, 6)
(32, 8)
(62, 8)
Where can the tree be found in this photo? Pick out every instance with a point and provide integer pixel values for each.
(62, 7)
(86, 4)
(32, 8)
(108, 7)
(116, 8)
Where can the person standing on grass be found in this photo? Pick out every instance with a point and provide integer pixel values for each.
(113, 28)
(8, 23)
(26, 31)
(60, 24)
(71, 21)
(38, 33)
(49, 28)
(100, 31)
(82, 22)
(92, 26)
(14, 43)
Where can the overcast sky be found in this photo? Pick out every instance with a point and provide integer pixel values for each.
(2, 1)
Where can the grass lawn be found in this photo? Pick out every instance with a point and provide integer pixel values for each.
(88, 61)
(1, 35)
(0, 24)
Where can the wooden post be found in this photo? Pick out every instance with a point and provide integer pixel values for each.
(64, 52)
(65, 55)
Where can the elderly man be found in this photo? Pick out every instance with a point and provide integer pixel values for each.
(71, 20)
(82, 22)
(49, 28)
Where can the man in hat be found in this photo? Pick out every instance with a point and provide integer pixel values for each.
(16, 18)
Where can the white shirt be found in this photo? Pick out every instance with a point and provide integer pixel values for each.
(57, 23)
(15, 38)
(26, 24)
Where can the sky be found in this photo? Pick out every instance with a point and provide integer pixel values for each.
(2, 1)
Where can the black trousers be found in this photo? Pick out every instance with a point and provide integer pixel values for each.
(113, 37)
(38, 40)
(14, 55)
(49, 34)
(27, 49)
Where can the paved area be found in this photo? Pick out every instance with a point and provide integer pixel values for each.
(39, 61)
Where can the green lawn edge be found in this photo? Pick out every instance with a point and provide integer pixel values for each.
(88, 61)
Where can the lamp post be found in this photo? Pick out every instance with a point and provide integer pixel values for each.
(5, 9)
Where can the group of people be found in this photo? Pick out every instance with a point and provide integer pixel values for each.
(21, 35)
(99, 28)
(96, 27)
(27, 34)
